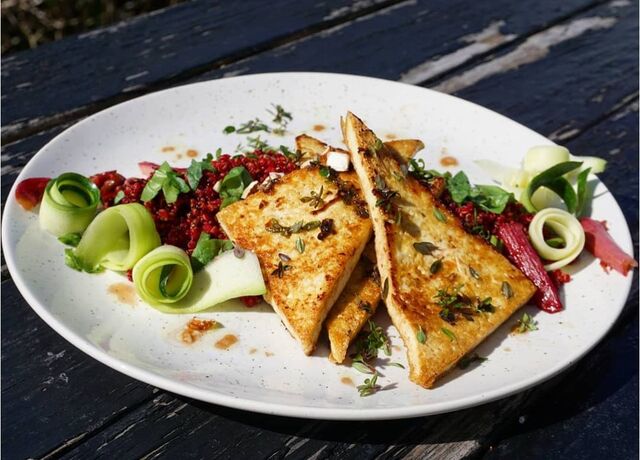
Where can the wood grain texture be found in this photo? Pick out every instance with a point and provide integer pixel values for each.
(50, 83)
(174, 45)
(94, 411)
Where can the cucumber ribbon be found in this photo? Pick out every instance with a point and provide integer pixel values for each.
(69, 204)
(163, 276)
(568, 230)
(116, 239)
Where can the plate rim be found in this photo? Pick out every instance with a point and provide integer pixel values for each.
(300, 411)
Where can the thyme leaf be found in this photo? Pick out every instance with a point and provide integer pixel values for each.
(426, 248)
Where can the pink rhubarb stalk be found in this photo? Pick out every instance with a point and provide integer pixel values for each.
(601, 245)
(523, 256)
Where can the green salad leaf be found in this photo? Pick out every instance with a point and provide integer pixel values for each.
(207, 249)
(233, 184)
(488, 197)
(195, 169)
(167, 180)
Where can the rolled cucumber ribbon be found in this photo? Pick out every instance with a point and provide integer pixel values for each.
(163, 276)
(117, 238)
(567, 227)
(69, 204)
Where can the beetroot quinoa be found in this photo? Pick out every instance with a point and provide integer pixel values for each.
(181, 223)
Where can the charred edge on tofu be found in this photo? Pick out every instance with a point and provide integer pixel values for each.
(346, 191)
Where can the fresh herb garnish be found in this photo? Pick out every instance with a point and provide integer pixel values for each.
(526, 324)
(70, 239)
(419, 171)
(426, 248)
(314, 198)
(441, 217)
(233, 184)
(582, 191)
(474, 273)
(300, 245)
(207, 249)
(346, 191)
(385, 197)
(281, 118)
(421, 336)
(284, 257)
(118, 198)
(72, 261)
(369, 387)
(486, 305)
(367, 348)
(195, 169)
(385, 288)
(280, 269)
(229, 129)
(553, 179)
(467, 360)
(393, 363)
(274, 226)
(488, 197)
(166, 179)
(506, 290)
(252, 126)
(325, 171)
(448, 333)
(436, 266)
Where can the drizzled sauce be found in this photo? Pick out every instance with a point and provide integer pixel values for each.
(124, 292)
(226, 342)
(168, 148)
(192, 153)
(319, 128)
(347, 381)
(448, 161)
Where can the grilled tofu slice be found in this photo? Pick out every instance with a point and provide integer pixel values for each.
(445, 290)
(302, 286)
(355, 306)
(313, 148)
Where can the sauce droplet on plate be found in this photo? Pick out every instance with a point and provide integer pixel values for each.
(226, 342)
(347, 381)
(168, 148)
(124, 292)
(448, 161)
(319, 128)
(192, 153)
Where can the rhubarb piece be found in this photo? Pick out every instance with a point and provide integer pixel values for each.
(523, 256)
(29, 192)
(601, 245)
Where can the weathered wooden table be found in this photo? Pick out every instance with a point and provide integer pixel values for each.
(567, 69)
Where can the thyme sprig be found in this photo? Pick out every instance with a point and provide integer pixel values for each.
(274, 226)
(526, 324)
(314, 198)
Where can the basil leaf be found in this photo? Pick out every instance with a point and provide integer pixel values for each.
(166, 179)
(582, 190)
(195, 169)
(164, 279)
(553, 180)
(70, 239)
(207, 249)
(459, 187)
(491, 198)
(233, 184)
(118, 198)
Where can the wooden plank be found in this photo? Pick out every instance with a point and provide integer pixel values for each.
(129, 59)
(48, 84)
(52, 393)
(436, 436)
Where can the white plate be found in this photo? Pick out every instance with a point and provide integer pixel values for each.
(277, 378)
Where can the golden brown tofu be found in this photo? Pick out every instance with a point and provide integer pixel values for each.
(444, 288)
(302, 210)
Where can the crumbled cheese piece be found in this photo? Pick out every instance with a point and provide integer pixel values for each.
(216, 186)
(249, 188)
(338, 161)
(275, 175)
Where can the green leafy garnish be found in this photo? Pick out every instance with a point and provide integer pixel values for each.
(72, 261)
(194, 171)
(274, 226)
(436, 266)
(526, 324)
(300, 245)
(582, 191)
(118, 198)
(165, 274)
(281, 118)
(488, 197)
(474, 273)
(315, 198)
(421, 336)
(70, 239)
(166, 179)
(369, 387)
(553, 179)
(233, 184)
(425, 247)
(441, 217)
(506, 290)
(207, 249)
(448, 333)
(419, 171)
